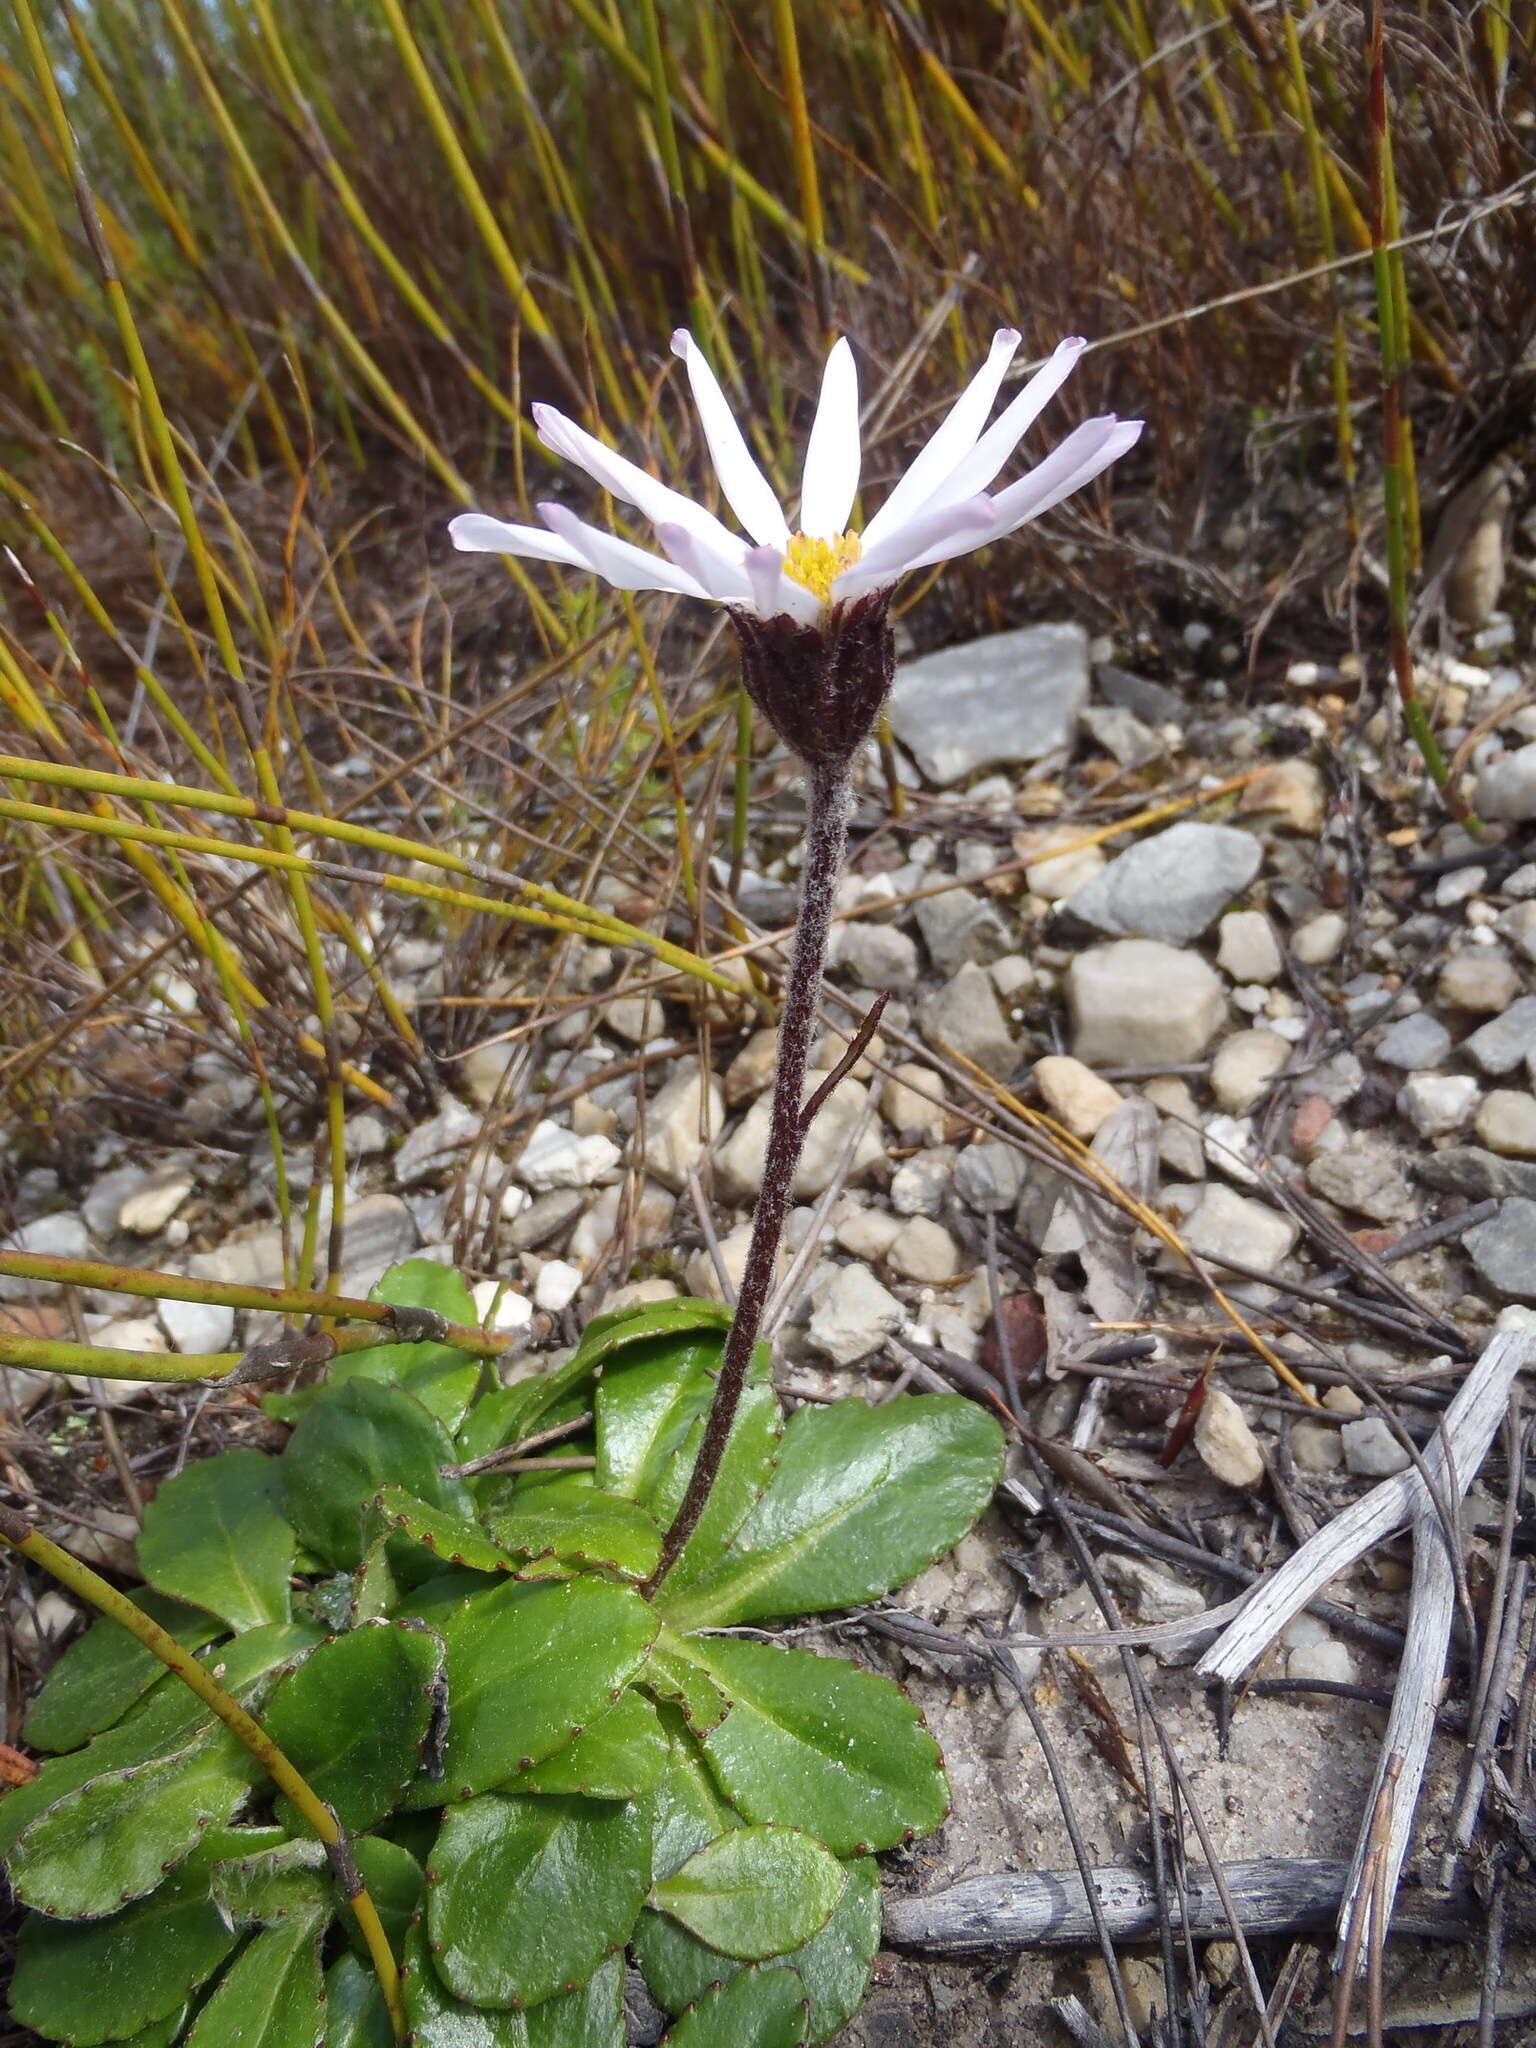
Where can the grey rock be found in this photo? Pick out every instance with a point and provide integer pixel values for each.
(379, 1231)
(1414, 1044)
(546, 1220)
(989, 1176)
(877, 956)
(1156, 1595)
(1141, 1003)
(1151, 702)
(1469, 1170)
(960, 926)
(964, 1014)
(1503, 1042)
(433, 1147)
(1009, 698)
(1504, 1248)
(61, 1236)
(1121, 734)
(676, 1121)
(1506, 788)
(1365, 1178)
(1371, 1450)
(1315, 1446)
(1173, 886)
(853, 1316)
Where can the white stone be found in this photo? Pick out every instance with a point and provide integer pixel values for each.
(1227, 1225)
(640, 1294)
(555, 1157)
(1481, 980)
(1075, 1095)
(923, 1250)
(1230, 1147)
(61, 1236)
(1056, 877)
(704, 1281)
(1227, 1446)
(1244, 1067)
(1156, 1595)
(1506, 1123)
(1506, 788)
(921, 1184)
(1248, 949)
(739, 1161)
(556, 1286)
(651, 1216)
(1330, 1661)
(1319, 940)
(752, 1069)
(1517, 924)
(674, 1125)
(1293, 790)
(151, 1206)
(912, 1098)
(198, 1326)
(37, 1628)
(366, 1135)
(865, 1233)
(1138, 1002)
(500, 1309)
(1437, 1104)
(483, 1069)
(853, 1316)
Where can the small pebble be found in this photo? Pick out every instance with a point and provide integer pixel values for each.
(1371, 1450)
(1315, 1446)
(1319, 940)
(1331, 1662)
(1075, 1095)
(556, 1286)
(1227, 1446)
(1506, 1123)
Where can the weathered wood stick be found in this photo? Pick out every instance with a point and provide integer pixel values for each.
(1048, 1908)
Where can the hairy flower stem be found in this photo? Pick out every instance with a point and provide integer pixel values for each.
(826, 837)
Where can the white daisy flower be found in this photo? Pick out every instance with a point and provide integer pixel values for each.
(938, 510)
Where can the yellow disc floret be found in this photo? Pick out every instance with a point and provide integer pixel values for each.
(816, 564)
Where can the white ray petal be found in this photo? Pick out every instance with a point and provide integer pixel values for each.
(977, 469)
(747, 491)
(625, 567)
(1039, 491)
(726, 580)
(1092, 447)
(627, 481)
(954, 438)
(931, 528)
(775, 595)
(476, 533)
(830, 482)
